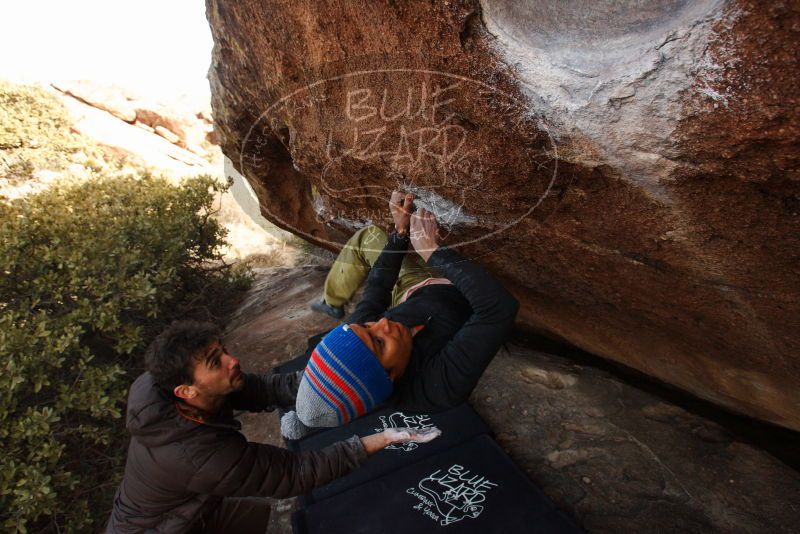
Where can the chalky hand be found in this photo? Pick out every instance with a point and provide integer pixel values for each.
(416, 435)
(400, 206)
(424, 233)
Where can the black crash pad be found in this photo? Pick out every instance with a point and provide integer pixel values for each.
(458, 424)
(472, 488)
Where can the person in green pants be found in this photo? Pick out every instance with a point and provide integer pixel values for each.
(357, 258)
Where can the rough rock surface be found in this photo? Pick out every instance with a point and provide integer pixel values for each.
(616, 457)
(623, 460)
(630, 170)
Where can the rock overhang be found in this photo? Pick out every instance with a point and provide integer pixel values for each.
(666, 240)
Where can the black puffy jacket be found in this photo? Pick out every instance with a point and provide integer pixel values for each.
(465, 325)
(178, 470)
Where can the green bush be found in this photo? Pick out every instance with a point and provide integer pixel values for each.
(34, 132)
(90, 273)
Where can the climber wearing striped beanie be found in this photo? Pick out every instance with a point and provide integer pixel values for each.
(342, 381)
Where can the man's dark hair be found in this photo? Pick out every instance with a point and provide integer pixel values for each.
(169, 357)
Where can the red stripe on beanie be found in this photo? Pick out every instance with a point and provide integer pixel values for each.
(342, 385)
(330, 396)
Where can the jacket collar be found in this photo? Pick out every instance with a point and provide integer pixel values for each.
(224, 418)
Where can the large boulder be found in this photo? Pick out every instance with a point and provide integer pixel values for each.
(631, 171)
(188, 130)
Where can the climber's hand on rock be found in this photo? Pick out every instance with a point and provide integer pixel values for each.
(424, 229)
(400, 205)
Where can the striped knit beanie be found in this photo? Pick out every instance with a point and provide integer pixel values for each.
(342, 381)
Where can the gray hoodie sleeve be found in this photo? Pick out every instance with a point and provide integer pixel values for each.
(253, 469)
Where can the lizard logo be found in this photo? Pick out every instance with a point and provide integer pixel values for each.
(401, 420)
(451, 495)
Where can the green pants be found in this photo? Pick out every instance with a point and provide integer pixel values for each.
(356, 259)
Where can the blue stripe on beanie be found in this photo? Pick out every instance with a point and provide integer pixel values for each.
(331, 388)
(344, 373)
(329, 403)
(361, 364)
(357, 369)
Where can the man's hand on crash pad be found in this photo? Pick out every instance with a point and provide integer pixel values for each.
(392, 436)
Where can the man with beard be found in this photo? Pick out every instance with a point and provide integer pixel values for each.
(189, 469)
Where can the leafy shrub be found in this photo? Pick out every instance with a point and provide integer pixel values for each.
(90, 272)
(34, 132)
